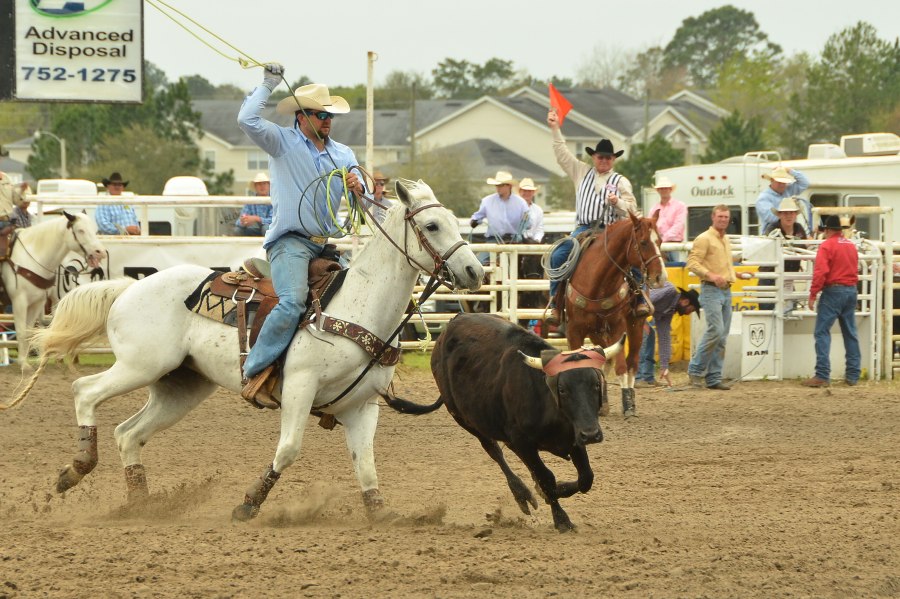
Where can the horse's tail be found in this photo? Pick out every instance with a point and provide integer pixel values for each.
(79, 319)
(404, 406)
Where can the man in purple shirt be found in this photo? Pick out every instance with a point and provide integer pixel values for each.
(667, 301)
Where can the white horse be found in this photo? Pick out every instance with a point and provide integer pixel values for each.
(182, 357)
(31, 271)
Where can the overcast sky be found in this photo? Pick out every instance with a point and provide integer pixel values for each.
(328, 41)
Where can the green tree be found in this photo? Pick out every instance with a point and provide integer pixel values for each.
(701, 44)
(401, 88)
(166, 110)
(645, 159)
(461, 79)
(852, 89)
(449, 172)
(734, 136)
(145, 157)
(560, 193)
(645, 73)
(281, 92)
(746, 84)
(199, 87)
(217, 184)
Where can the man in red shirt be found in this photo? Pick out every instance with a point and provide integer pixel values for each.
(835, 276)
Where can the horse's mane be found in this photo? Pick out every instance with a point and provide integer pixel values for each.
(37, 235)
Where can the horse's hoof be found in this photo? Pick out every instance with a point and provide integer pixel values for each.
(67, 479)
(244, 512)
(373, 501)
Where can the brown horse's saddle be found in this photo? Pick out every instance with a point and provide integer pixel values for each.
(6, 241)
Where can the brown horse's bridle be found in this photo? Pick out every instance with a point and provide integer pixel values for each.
(633, 245)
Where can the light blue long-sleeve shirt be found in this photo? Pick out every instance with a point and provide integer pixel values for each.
(503, 216)
(299, 201)
(769, 199)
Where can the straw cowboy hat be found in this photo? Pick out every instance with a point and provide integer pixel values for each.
(786, 205)
(114, 178)
(604, 148)
(779, 174)
(261, 178)
(379, 176)
(663, 182)
(527, 184)
(501, 178)
(314, 96)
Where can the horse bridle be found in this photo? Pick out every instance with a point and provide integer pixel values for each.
(69, 225)
(634, 245)
(435, 281)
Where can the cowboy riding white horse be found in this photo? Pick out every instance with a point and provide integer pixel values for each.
(182, 356)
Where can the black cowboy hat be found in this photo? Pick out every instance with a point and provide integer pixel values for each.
(692, 296)
(832, 221)
(604, 148)
(114, 178)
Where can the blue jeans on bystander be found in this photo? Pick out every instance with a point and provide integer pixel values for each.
(646, 363)
(709, 357)
(837, 303)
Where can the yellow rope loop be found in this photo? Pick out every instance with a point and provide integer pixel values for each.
(248, 62)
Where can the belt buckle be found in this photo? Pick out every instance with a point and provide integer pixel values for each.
(318, 239)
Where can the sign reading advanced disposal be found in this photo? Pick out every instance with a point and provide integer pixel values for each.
(79, 50)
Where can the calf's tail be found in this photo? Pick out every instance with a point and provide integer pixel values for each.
(404, 406)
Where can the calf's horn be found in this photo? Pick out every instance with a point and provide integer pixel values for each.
(532, 361)
(615, 348)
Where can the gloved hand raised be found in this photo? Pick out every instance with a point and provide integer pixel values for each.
(473, 223)
(272, 75)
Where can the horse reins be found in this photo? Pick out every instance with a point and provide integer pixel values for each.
(434, 282)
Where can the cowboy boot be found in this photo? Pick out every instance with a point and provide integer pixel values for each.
(258, 390)
(643, 306)
(553, 318)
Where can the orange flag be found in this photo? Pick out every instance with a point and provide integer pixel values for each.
(559, 103)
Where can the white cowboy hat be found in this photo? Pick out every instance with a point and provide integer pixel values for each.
(314, 96)
(527, 184)
(786, 205)
(501, 178)
(260, 178)
(780, 174)
(663, 182)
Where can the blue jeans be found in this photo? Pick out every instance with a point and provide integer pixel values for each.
(710, 354)
(559, 256)
(290, 256)
(837, 303)
(646, 363)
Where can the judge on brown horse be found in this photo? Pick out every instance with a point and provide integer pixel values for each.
(600, 297)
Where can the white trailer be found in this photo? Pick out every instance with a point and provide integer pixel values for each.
(864, 170)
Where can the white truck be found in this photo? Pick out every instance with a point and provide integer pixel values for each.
(864, 170)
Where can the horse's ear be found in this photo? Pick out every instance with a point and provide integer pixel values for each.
(402, 193)
(71, 217)
(635, 219)
(84, 211)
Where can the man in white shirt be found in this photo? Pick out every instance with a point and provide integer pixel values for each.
(533, 229)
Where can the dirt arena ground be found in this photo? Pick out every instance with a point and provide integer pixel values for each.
(769, 490)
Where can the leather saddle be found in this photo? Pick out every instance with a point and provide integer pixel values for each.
(252, 291)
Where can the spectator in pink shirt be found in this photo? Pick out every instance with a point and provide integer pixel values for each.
(672, 214)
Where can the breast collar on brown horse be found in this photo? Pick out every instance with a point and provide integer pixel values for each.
(435, 281)
(617, 300)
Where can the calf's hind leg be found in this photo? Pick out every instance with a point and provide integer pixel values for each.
(171, 398)
(522, 493)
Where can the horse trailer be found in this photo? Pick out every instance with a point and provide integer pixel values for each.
(864, 170)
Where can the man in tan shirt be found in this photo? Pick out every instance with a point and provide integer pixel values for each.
(12, 196)
(710, 259)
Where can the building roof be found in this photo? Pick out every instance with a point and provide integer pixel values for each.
(488, 157)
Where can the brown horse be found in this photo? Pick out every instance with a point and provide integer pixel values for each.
(599, 298)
